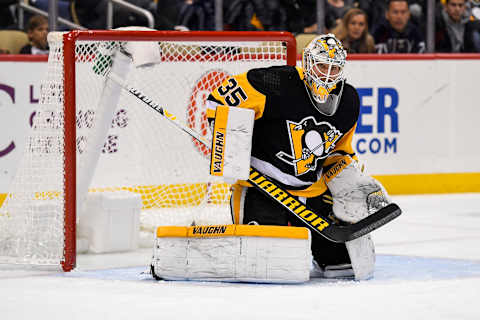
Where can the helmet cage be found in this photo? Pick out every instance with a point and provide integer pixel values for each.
(323, 62)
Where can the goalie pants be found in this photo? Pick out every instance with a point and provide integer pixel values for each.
(251, 206)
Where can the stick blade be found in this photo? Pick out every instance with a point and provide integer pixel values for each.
(374, 221)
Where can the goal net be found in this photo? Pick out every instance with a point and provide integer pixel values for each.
(82, 142)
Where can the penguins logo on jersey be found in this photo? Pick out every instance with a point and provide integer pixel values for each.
(309, 141)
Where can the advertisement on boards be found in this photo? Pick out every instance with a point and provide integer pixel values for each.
(19, 95)
(417, 116)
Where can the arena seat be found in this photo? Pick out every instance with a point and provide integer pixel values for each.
(13, 40)
(303, 39)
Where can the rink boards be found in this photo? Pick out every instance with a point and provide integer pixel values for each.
(416, 130)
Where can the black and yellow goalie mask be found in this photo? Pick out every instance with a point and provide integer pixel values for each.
(323, 61)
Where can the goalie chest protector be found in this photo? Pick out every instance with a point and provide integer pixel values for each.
(282, 106)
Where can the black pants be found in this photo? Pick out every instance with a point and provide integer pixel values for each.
(259, 208)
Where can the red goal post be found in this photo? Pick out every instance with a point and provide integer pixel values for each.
(43, 203)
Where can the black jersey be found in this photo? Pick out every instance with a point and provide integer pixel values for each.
(292, 142)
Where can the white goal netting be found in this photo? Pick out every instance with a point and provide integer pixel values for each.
(140, 153)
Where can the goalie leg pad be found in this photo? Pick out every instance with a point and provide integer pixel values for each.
(355, 196)
(362, 257)
(361, 252)
(236, 253)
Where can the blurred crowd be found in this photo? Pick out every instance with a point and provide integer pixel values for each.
(363, 26)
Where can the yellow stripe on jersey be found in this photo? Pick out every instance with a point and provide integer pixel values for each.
(236, 91)
(345, 143)
(300, 72)
(314, 190)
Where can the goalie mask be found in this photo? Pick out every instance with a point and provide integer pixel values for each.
(323, 61)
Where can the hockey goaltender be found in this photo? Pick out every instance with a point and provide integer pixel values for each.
(301, 122)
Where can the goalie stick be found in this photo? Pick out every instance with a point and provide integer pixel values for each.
(315, 221)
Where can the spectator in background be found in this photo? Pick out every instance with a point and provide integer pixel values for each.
(375, 11)
(167, 15)
(454, 31)
(254, 15)
(418, 11)
(353, 32)
(397, 34)
(276, 16)
(90, 13)
(37, 30)
(301, 15)
(475, 9)
(334, 12)
(124, 17)
(64, 10)
(7, 18)
(197, 14)
(246, 15)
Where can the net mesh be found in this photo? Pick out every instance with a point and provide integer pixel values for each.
(142, 153)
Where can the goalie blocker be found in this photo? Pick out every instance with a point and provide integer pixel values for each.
(232, 143)
(237, 253)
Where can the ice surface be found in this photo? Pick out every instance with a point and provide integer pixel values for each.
(428, 267)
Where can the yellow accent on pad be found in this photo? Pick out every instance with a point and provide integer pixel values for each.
(218, 141)
(211, 231)
(231, 230)
(172, 231)
(337, 168)
(3, 196)
(272, 231)
(210, 113)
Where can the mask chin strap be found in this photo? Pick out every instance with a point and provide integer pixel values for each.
(330, 106)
